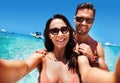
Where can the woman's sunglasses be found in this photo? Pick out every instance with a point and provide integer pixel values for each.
(55, 31)
(81, 19)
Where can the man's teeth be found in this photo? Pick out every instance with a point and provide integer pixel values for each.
(79, 31)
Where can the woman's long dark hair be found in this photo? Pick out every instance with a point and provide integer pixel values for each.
(70, 45)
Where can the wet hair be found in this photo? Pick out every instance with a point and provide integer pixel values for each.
(71, 43)
(86, 5)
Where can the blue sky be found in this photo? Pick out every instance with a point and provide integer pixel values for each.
(26, 16)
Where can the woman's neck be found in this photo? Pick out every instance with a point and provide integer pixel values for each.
(59, 54)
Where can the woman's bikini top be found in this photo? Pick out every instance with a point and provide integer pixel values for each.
(44, 78)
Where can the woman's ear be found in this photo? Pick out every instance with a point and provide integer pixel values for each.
(49, 36)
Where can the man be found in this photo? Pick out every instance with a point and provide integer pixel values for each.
(84, 18)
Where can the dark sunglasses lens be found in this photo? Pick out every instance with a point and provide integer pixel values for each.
(54, 31)
(64, 30)
(89, 20)
(79, 19)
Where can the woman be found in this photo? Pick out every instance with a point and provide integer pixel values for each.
(57, 66)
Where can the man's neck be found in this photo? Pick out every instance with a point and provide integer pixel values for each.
(82, 38)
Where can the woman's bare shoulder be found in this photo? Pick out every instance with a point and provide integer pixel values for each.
(50, 56)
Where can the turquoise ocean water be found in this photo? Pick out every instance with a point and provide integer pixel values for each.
(17, 46)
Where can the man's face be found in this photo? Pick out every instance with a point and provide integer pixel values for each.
(84, 20)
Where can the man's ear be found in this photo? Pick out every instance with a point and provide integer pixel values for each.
(74, 19)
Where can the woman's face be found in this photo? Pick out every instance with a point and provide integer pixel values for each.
(59, 33)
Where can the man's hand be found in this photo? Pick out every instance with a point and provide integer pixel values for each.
(40, 53)
(84, 49)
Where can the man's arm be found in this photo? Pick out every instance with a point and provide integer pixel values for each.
(101, 60)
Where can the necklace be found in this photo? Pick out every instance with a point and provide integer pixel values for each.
(54, 58)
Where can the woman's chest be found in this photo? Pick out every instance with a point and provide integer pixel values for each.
(60, 72)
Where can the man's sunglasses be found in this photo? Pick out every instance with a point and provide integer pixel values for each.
(55, 31)
(81, 19)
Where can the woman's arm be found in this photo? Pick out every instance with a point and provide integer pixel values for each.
(35, 59)
(16, 69)
(92, 74)
(11, 71)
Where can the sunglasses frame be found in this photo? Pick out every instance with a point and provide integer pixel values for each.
(87, 20)
(63, 29)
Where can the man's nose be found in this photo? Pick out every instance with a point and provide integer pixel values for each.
(84, 22)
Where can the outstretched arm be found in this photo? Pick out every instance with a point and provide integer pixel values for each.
(88, 73)
(35, 59)
(12, 71)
